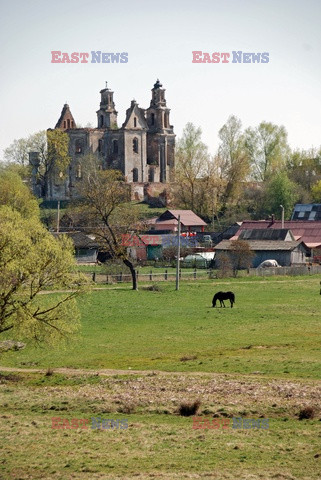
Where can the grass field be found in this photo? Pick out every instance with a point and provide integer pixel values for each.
(260, 359)
(273, 329)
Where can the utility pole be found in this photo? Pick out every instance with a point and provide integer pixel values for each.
(178, 251)
(282, 221)
(58, 216)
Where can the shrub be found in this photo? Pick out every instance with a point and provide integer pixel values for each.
(306, 412)
(189, 409)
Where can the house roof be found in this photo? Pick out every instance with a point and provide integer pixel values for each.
(80, 239)
(308, 232)
(269, 234)
(262, 245)
(307, 211)
(188, 218)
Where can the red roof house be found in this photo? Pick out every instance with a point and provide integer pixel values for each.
(169, 221)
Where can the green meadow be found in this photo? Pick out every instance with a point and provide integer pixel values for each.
(273, 329)
(140, 355)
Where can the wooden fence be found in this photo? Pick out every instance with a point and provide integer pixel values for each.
(153, 276)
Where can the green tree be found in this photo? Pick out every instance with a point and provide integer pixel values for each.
(268, 149)
(192, 160)
(52, 147)
(18, 151)
(304, 168)
(280, 190)
(14, 193)
(31, 260)
(233, 159)
(316, 192)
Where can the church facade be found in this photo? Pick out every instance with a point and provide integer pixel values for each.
(143, 148)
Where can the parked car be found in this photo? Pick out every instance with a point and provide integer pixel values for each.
(269, 263)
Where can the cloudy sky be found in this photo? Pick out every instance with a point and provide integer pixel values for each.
(159, 38)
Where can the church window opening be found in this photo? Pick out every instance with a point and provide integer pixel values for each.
(101, 121)
(115, 146)
(153, 118)
(64, 123)
(79, 147)
(151, 175)
(78, 171)
(135, 174)
(68, 123)
(135, 145)
(135, 122)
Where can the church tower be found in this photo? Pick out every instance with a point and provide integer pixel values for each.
(160, 137)
(107, 115)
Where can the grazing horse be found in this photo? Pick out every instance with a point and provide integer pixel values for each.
(221, 296)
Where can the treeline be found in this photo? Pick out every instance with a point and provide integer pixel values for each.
(253, 172)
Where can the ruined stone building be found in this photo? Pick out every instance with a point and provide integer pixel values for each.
(142, 148)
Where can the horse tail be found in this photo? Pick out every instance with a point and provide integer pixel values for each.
(232, 297)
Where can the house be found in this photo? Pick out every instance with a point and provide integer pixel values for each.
(86, 248)
(150, 246)
(275, 244)
(307, 232)
(168, 222)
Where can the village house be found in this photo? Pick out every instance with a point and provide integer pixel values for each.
(275, 244)
(168, 222)
(86, 248)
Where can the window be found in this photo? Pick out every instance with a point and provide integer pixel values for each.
(101, 121)
(65, 124)
(135, 174)
(135, 145)
(115, 146)
(153, 118)
(135, 122)
(72, 124)
(68, 123)
(151, 175)
(78, 171)
(79, 146)
(100, 145)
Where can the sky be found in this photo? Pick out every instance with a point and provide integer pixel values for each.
(159, 38)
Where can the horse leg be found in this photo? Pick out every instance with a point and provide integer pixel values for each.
(223, 303)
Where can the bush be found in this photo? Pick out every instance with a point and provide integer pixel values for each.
(306, 412)
(189, 409)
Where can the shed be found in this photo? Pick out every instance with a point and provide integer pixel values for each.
(86, 247)
(286, 253)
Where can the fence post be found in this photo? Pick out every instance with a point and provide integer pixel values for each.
(194, 272)
(107, 279)
(94, 277)
(180, 273)
(121, 277)
(151, 275)
(165, 275)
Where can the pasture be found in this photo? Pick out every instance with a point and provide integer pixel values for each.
(141, 354)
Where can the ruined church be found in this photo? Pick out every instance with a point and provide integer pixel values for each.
(143, 148)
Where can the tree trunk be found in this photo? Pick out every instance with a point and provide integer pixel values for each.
(129, 264)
